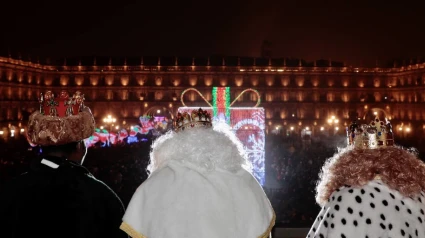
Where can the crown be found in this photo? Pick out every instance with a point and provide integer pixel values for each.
(198, 118)
(370, 136)
(61, 106)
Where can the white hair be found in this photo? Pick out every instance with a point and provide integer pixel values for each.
(206, 148)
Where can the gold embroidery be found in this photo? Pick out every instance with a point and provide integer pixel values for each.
(47, 130)
(269, 229)
(130, 231)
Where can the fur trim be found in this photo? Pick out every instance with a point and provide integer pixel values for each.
(398, 168)
(50, 130)
(205, 148)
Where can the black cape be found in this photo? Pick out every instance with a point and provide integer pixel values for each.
(63, 202)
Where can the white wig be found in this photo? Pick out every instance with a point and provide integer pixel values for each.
(206, 148)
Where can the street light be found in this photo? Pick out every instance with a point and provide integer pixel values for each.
(109, 120)
(333, 121)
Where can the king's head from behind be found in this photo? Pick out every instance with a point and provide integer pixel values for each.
(200, 186)
(197, 143)
(60, 126)
(57, 190)
(372, 187)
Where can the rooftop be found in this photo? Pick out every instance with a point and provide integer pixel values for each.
(216, 60)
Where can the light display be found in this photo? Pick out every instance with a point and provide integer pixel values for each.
(248, 123)
(214, 95)
(248, 90)
(149, 126)
(221, 102)
(193, 89)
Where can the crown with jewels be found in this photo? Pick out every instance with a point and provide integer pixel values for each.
(198, 118)
(60, 120)
(370, 136)
(62, 105)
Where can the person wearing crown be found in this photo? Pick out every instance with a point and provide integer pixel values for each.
(58, 197)
(372, 188)
(199, 186)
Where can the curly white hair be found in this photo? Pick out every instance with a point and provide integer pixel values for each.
(204, 148)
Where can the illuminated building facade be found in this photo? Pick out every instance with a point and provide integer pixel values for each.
(321, 95)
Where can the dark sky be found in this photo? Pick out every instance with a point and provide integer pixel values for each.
(358, 32)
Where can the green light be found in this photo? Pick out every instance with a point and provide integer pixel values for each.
(214, 93)
(227, 101)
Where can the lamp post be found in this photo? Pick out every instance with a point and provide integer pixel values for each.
(109, 120)
(334, 121)
(12, 132)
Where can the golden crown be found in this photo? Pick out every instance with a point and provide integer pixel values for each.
(198, 118)
(61, 106)
(370, 136)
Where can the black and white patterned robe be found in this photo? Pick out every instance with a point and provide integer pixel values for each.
(371, 211)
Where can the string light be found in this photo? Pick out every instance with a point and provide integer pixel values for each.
(214, 92)
(215, 99)
(221, 100)
(227, 101)
(246, 90)
(193, 89)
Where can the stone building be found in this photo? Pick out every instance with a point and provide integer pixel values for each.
(320, 95)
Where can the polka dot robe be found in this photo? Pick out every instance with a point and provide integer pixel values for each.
(372, 211)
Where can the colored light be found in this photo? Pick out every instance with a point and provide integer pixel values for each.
(227, 101)
(214, 93)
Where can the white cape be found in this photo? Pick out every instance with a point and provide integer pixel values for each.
(181, 200)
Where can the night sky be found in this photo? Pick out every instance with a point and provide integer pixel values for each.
(358, 32)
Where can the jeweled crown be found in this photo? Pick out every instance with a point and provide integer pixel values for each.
(62, 105)
(370, 136)
(198, 118)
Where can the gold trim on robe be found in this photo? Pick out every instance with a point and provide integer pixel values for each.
(130, 231)
(269, 229)
(134, 234)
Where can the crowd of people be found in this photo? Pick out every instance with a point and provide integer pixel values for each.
(291, 161)
(294, 163)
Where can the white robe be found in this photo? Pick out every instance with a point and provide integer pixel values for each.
(182, 200)
(372, 211)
